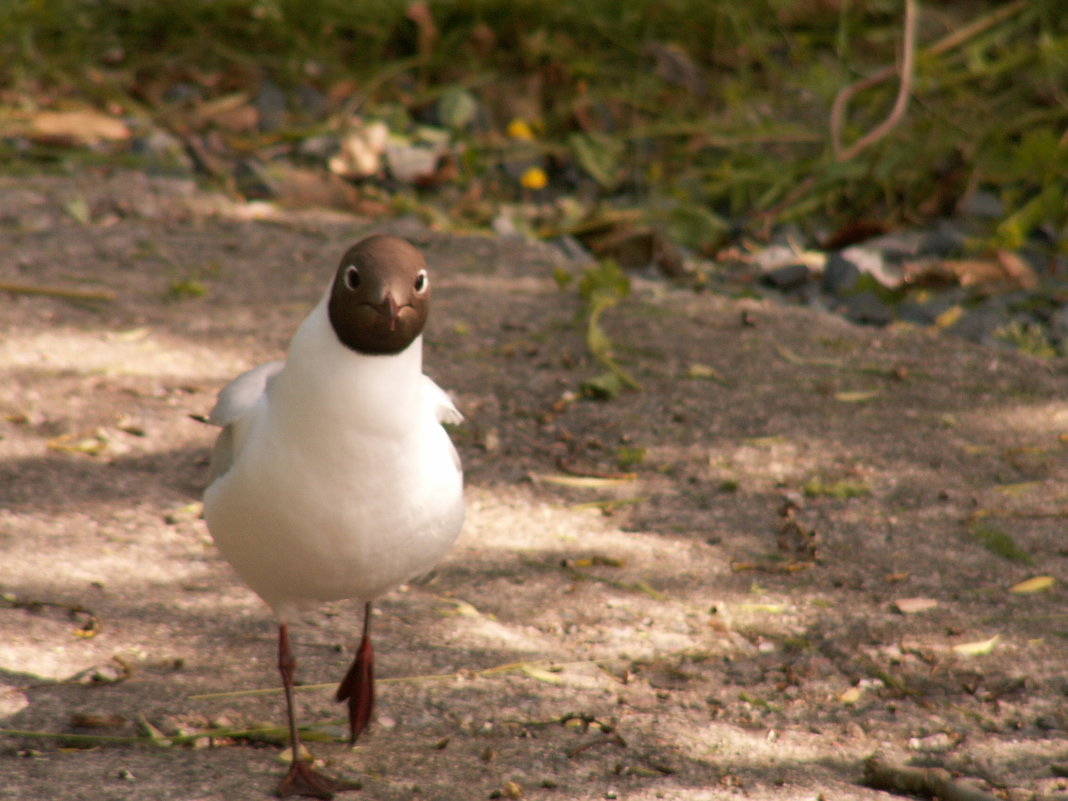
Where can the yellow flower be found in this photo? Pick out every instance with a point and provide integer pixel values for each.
(520, 129)
(534, 178)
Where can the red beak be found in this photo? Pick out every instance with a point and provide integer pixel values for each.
(389, 307)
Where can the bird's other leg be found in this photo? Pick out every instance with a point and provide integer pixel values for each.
(301, 779)
(358, 686)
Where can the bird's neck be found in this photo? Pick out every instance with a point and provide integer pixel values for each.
(326, 380)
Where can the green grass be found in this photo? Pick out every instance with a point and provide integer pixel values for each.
(697, 112)
(1000, 543)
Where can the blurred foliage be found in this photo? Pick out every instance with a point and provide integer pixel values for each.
(710, 114)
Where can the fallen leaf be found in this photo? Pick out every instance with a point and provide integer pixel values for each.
(78, 443)
(76, 128)
(579, 482)
(851, 696)
(771, 609)
(1018, 270)
(1035, 584)
(980, 648)
(707, 373)
(950, 316)
(157, 737)
(462, 608)
(857, 396)
(541, 674)
(78, 209)
(911, 606)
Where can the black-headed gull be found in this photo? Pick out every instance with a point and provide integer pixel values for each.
(332, 477)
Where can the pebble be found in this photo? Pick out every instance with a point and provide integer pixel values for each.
(840, 275)
(867, 308)
(787, 277)
(983, 204)
(270, 102)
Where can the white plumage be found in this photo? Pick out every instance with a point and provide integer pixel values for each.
(332, 477)
(336, 480)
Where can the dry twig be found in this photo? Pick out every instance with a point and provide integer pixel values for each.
(67, 293)
(908, 60)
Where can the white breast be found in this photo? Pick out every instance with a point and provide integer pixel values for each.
(343, 484)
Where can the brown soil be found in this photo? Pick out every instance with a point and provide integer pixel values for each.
(719, 632)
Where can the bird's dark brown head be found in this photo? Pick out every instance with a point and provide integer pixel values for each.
(380, 297)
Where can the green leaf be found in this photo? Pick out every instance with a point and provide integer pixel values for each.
(78, 209)
(696, 227)
(457, 108)
(998, 542)
(599, 156)
(605, 386)
(603, 281)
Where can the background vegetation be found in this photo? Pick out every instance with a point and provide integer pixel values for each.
(707, 117)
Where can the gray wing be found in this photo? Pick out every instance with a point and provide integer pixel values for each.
(444, 409)
(233, 401)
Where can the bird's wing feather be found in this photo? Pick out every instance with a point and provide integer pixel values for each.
(233, 401)
(237, 396)
(444, 409)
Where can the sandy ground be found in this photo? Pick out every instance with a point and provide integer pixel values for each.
(645, 602)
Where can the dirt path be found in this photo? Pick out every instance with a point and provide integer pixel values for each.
(721, 631)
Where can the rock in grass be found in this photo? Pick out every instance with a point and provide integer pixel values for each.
(788, 277)
(270, 102)
(840, 275)
(867, 308)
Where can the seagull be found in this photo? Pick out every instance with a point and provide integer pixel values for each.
(333, 477)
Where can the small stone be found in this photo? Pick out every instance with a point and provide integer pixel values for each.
(980, 323)
(945, 239)
(311, 101)
(983, 204)
(319, 148)
(253, 180)
(790, 276)
(840, 275)
(164, 154)
(867, 308)
(572, 248)
(270, 102)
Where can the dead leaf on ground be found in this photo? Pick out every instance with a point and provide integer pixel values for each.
(76, 128)
(1032, 585)
(912, 606)
(978, 648)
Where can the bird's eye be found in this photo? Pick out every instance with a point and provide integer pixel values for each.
(352, 277)
(421, 281)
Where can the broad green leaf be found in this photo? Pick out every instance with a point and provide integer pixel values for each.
(457, 108)
(599, 156)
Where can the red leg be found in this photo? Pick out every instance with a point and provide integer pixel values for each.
(358, 686)
(301, 779)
